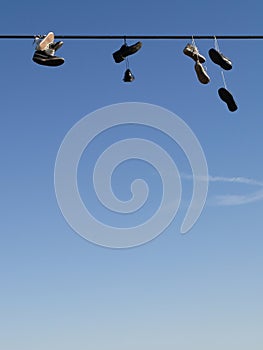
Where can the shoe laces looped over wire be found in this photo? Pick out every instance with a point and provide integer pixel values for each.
(193, 41)
(37, 38)
(216, 44)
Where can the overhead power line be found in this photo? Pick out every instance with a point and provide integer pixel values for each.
(46, 47)
(150, 37)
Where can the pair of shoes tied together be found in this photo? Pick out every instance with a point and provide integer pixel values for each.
(45, 51)
(191, 51)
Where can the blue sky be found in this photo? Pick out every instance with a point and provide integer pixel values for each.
(201, 290)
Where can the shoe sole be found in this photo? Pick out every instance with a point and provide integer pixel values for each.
(201, 74)
(226, 96)
(217, 58)
(49, 38)
(53, 62)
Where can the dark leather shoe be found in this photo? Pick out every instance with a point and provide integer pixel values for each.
(128, 76)
(226, 96)
(218, 58)
(125, 51)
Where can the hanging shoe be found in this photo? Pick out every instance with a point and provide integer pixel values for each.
(125, 51)
(128, 76)
(55, 46)
(192, 51)
(218, 58)
(227, 97)
(201, 73)
(45, 59)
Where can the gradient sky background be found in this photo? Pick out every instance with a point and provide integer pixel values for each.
(199, 291)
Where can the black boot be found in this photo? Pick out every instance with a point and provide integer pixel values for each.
(226, 96)
(218, 58)
(125, 51)
(128, 76)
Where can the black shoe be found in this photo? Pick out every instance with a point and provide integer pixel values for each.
(218, 58)
(125, 51)
(128, 76)
(55, 46)
(43, 58)
(226, 96)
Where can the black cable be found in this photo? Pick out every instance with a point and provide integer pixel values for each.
(152, 37)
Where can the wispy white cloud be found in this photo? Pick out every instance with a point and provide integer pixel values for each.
(240, 180)
(230, 199)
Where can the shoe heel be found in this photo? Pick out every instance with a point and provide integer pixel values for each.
(117, 57)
